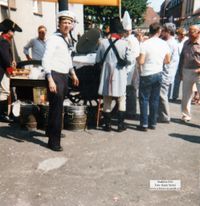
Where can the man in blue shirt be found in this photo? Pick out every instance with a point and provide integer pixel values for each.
(37, 45)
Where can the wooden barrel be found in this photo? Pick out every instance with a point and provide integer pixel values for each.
(28, 116)
(75, 117)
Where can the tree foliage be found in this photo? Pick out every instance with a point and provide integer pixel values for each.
(102, 14)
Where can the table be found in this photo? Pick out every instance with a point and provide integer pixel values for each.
(24, 88)
(27, 82)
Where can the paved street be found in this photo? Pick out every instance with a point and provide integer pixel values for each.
(102, 169)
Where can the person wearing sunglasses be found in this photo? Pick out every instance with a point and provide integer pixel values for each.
(37, 45)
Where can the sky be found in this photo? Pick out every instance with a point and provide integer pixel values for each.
(155, 4)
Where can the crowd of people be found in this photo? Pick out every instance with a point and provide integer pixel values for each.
(153, 65)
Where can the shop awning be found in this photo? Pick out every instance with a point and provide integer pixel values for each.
(91, 2)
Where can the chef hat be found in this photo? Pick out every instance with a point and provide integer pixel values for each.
(126, 21)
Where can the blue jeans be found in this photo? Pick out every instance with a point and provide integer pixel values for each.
(149, 93)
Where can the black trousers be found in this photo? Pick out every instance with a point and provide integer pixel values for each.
(55, 117)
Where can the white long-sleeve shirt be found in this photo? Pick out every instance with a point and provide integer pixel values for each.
(57, 56)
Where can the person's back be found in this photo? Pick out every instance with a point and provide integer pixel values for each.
(154, 53)
(155, 50)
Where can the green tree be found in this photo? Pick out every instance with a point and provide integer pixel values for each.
(102, 14)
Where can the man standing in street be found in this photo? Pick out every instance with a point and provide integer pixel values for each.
(169, 72)
(37, 45)
(181, 39)
(113, 79)
(154, 52)
(190, 69)
(7, 64)
(57, 63)
(133, 43)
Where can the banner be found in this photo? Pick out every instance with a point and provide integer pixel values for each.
(91, 2)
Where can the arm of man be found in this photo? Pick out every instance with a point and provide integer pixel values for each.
(26, 49)
(46, 63)
(5, 57)
(141, 59)
(75, 79)
(52, 85)
(167, 58)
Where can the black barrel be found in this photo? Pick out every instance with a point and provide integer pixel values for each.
(28, 116)
(43, 116)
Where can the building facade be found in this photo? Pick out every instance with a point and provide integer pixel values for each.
(191, 13)
(29, 14)
(181, 12)
(171, 11)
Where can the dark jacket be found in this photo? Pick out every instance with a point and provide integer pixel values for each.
(5, 56)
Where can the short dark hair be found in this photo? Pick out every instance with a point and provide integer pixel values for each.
(41, 27)
(154, 28)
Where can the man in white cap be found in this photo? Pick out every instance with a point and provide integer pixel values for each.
(134, 45)
(57, 63)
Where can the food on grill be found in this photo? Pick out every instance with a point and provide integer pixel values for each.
(21, 72)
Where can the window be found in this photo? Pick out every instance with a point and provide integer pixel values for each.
(37, 7)
(10, 3)
(4, 2)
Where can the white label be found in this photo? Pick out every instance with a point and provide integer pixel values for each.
(165, 184)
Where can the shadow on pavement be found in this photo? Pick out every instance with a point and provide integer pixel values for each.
(14, 132)
(190, 138)
(179, 121)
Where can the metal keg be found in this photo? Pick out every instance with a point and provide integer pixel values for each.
(75, 117)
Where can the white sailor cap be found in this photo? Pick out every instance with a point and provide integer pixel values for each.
(66, 14)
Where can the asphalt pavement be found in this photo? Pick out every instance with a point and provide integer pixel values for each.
(155, 168)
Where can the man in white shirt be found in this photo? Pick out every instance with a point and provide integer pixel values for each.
(154, 52)
(37, 45)
(57, 63)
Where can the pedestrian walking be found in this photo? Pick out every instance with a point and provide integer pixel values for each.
(190, 70)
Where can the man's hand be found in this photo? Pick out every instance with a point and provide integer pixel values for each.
(13, 64)
(52, 85)
(28, 57)
(197, 70)
(75, 80)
